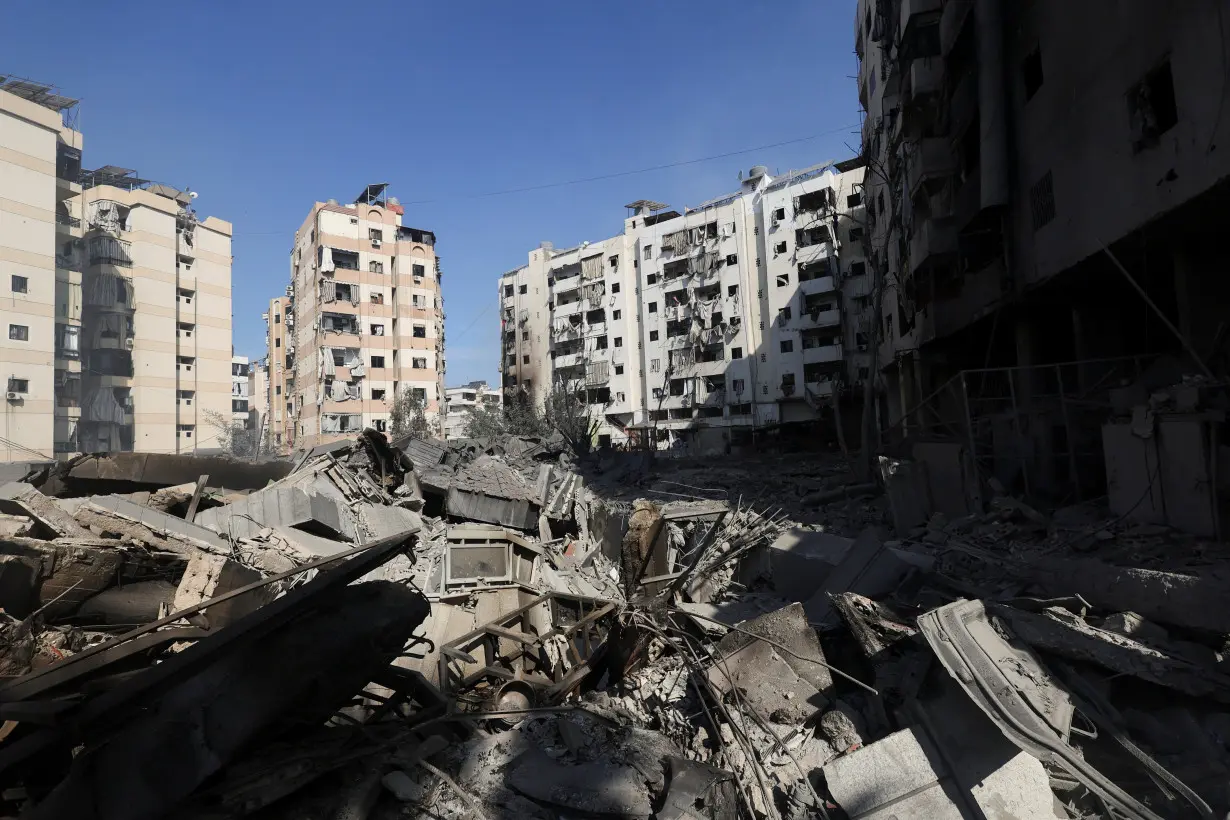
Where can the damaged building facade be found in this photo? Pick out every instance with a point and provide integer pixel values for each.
(1046, 212)
(135, 334)
(692, 330)
(361, 323)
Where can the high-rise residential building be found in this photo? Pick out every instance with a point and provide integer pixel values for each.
(460, 401)
(258, 403)
(155, 317)
(40, 211)
(1033, 168)
(693, 329)
(118, 329)
(279, 367)
(368, 322)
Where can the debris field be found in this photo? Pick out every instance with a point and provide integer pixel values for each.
(499, 628)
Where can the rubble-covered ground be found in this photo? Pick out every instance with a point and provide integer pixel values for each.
(499, 628)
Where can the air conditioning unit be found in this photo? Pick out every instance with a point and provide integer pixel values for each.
(13, 396)
(375, 243)
(128, 343)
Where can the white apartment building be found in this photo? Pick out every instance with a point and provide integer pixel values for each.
(459, 401)
(741, 313)
(363, 323)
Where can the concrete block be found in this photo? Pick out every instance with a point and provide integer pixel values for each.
(168, 525)
(209, 576)
(895, 776)
(597, 788)
(279, 506)
(869, 569)
(767, 683)
(788, 627)
(132, 604)
(382, 522)
(800, 560)
(23, 499)
(474, 506)
(77, 573)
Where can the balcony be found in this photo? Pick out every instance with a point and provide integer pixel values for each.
(679, 342)
(918, 12)
(676, 312)
(820, 389)
(569, 360)
(597, 373)
(930, 165)
(714, 398)
(106, 250)
(815, 317)
(595, 329)
(68, 261)
(713, 368)
(923, 80)
(568, 308)
(822, 353)
(67, 223)
(818, 284)
(562, 286)
(932, 239)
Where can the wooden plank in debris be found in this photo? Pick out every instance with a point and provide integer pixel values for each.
(196, 497)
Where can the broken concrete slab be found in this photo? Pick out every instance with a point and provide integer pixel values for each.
(867, 568)
(766, 683)
(597, 787)
(24, 499)
(65, 571)
(130, 604)
(280, 506)
(162, 524)
(382, 521)
(698, 792)
(209, 576)
(1193, 601)
(787, 627)
(167, 470)
(490, 491)
(900, 775)
(1058, 631)
(798, 561)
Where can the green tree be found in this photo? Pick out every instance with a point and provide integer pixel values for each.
(409, 414)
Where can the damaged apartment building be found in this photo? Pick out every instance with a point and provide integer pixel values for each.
(1047, 201)
(129, 342)
(361, 322)
(694, 330)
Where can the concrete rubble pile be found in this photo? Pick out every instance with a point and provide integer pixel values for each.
(499, 628)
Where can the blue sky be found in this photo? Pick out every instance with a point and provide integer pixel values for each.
(267, 106)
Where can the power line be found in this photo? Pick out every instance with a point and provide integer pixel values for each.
(614, 175)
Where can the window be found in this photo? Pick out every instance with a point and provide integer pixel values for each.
(653, 307)
(381, 425)
(601, 343)
(420, 331)
(277, 390)
(780, 213)
(277, 318)
(508, 290)
(377, 362)
(1031, 72)
(19, 385)
(787, 345)
(525, 335)
(619, 341)
(418, 270)
(854, 200)
(1151, 107)
(377, 298)
(856, 234)
(649, 251)
(655, 365)
(523, 289)
(783, 279)
(377, 394)
(377, 330)
(375, 267)
(732, 259)
(613, 261)
(780, 247)
(277, 342)
(418, 300)
(419, 363)
(784, 314)
(19, 333)
(857, 268)
(525, 359)
(615, 314)
(375, 233)
(615, 287)
(419, 393)
(653, 335)
(737, 385)
(651, 279)
(20, 284)
(619, 369)
(732, 290)
(736, 353)
(185, 430)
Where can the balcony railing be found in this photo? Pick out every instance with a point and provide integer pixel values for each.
(68, 219)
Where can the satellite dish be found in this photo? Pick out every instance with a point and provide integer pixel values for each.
(193, 194)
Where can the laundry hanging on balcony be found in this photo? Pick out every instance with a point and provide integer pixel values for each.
(326, 260)
(100, 405)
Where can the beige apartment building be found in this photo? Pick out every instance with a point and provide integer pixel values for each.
(116, 298)
(40, 162)
(279, 374)
(364, 322)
